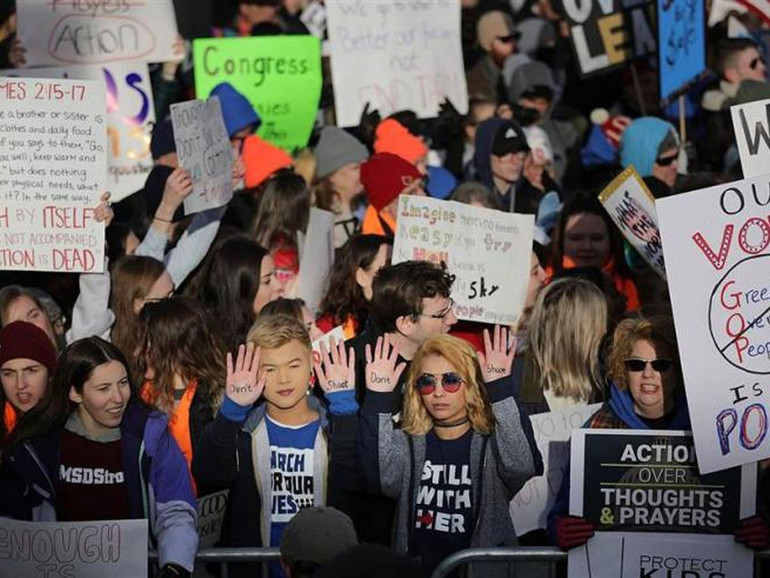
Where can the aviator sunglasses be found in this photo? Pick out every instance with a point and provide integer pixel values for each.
(637, 365)
(450, 383)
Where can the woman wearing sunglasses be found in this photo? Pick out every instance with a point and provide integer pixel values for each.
(461, 453)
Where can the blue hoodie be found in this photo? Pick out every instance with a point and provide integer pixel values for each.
(640, 142)
(236, 109)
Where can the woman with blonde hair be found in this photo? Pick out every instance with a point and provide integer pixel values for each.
(462, 452)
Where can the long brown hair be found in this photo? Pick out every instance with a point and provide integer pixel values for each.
(283, 210)
(176, 338)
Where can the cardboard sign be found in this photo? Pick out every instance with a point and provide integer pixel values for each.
(130, 117)
(751, 125)
(651, 555)
(83, 549)
(648, 481)
(53, 161)
(58, 32)
(211, 515)
(631, 206)
(395, 56)
(681, 44)
(279, 75)
(488, 251)
(529, 508)
(316, 258)
(717, 247)
(204, 149)
(609, 33)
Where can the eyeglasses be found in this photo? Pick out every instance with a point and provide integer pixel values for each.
(666, 161)
(442, 315)
(450, 383)
(755, 63)
(508, 38)
(637, 365)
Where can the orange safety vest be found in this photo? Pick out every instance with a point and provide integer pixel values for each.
(375, 223)
(9, 417)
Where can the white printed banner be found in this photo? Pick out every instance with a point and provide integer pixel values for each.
(204, 149)
(395, 56)
(717, 247)
(83, 549)
(63, 32)
(488, 251)
(751, 125)
(53, 161)
(631, 206)
(130, 117)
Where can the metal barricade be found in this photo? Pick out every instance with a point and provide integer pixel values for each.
(225, 556)
(501, 556)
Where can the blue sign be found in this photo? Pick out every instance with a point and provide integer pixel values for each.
(681, 44)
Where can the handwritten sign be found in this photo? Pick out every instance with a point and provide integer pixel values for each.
(609, 33)
(717, 247)
(488, 251)
(682, 44)
(529, 508)
(751, 125)
(317, 258)
(631, 206)
(53, 161)
(62, 32)
(211, 515)
(204, 149)
(280, 75)
(654, 555)
(82, 549)
(130, 117)
(395, 56)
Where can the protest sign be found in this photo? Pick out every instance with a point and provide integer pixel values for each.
(651, 555)
(681, 45)
(279, 75)
(751, 125)
(717, 244)
(529, 508)
(53, 161)
(648, 480)
(211, 515)
(609, 33)
(204, 149)
(130, 117)
(83, 549)
(57, 33)
(631, 206)
(488, 251)
(317, 258)
(395, 56)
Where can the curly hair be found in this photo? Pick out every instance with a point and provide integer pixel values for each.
(416, 419)
(657, 329)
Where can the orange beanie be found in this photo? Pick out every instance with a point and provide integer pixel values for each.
(261, 159)
(392, 137)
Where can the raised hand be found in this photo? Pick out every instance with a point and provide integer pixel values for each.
(178, 187)
(337, 371)
(103, 212)
(382, 373)
(499, 351)
(243, 386)
(17, 54)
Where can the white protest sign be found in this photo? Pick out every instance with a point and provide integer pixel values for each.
(204, 149)
(653, 555)
(529, 508)
(717, 247)
(83, 549)
(316, 258)
(395, 56)
(631, 206)
(130, 117)
(211, 515)
(53, 161)
(488, 251)
(751, 125)
(63, 32)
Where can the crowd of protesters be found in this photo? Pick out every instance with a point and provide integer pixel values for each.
(187, 366)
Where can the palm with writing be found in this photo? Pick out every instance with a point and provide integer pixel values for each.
(243, 386)
(382, 370)
(337, 371)
(499, 351)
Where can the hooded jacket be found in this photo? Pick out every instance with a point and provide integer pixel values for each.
(640, 143)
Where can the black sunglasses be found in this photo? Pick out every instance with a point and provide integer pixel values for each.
(666, 161)
(754, 63)
(450, 383)
(637, 365)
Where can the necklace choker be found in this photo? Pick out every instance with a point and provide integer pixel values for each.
(453, 424)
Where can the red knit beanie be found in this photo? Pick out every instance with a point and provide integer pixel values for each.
(392, 137)
(384, 176)
(261, 160)
(22, 340)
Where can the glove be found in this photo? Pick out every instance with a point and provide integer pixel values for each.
(173, 571)
(572, 531)
(753, 532)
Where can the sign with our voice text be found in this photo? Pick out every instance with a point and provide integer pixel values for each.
(751, 125)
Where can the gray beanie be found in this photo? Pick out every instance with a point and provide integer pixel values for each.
(337, 148)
